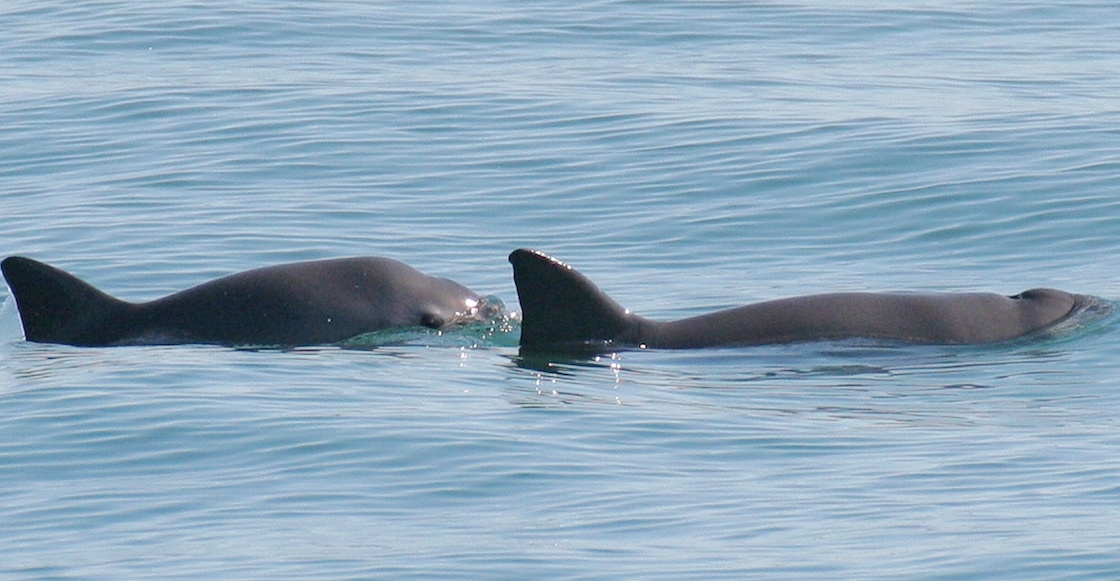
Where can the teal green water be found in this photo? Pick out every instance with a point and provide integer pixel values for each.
(685, 156)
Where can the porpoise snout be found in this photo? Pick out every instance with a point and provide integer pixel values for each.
(481, 309)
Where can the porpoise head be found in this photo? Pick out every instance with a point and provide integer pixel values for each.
(444, 303)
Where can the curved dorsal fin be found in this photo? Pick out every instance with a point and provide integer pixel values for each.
(57, 307)
(561, 307)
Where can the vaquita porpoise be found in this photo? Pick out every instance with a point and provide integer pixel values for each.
(562, 308)
(305, 303)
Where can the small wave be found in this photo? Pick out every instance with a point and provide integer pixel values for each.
(1092, 316)
(501, 329)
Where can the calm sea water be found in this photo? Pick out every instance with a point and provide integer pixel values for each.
(687, 156)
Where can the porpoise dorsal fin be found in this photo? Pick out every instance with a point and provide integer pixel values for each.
(57, 307)
(561, 308)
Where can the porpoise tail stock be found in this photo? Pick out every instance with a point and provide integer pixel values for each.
(305, 303)
(563, 310)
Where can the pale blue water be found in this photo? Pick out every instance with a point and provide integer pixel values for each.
(686, 156)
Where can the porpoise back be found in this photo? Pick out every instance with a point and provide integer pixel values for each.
(304, 303)
(562, 309)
